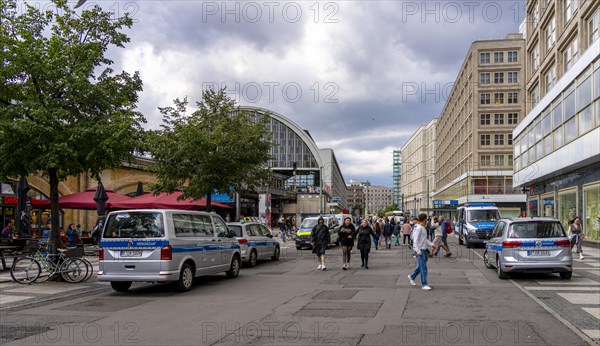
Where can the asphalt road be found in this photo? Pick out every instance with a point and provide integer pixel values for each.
(290, 302)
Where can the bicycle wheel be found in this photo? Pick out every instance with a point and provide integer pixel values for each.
(25, 270)
(90, 269)
(74, 270)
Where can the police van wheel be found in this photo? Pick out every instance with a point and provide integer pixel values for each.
(120, 286)
(501, 273)
(486, 260)
(566, 275)
(186, 278)
(253, 258)
(234, 269)
(276, 254)
(468, 244)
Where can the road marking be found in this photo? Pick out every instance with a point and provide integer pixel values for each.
(580, 298)
(5, 299)
(574, 288)
(593, 333)
(595, 272)
(562, 283)
(593, 264)
(594, 312)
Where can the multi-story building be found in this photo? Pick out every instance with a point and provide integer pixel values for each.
(557, 145)
(356, 197)
(377, 198)
(397, 178)
(475, 128)
(418, 168)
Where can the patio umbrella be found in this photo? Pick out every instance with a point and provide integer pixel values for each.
(100, 197)
(140, 189)
(80, 200)
(23, 208)
(164, 201)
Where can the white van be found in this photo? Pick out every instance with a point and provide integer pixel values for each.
(165, 245)
(476, 222)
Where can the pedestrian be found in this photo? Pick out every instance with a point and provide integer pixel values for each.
(346, 233)
(282, 228)
(443, 225)
(320, 238)
(378, 229)
(421, 247)
(397, 228)
(79, 230)
(438, 240)
(388, 231)
(71, 235)
(429, 229)
(406, 231)
(365, 232)
(576, 235)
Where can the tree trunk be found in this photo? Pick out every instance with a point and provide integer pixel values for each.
(208, 202)
(54, 240)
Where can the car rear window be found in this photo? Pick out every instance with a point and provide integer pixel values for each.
(536, 230)
(134, 225)
(235, 229)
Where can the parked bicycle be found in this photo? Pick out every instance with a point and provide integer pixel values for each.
(69, 264)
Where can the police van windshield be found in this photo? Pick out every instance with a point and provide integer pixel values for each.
(536, 230)
(482, 215)
(134, 225)
(308, 223)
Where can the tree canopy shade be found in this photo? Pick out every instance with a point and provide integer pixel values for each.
(210, 150)
(63, 110)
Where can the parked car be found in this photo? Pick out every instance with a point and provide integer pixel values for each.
(165, 245)
(303, 234)
(256, 242)
(529, 245)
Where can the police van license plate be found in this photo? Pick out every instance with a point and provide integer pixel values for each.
(131, 253)
(538, 253)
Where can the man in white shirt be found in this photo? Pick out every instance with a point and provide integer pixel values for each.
(420, 247)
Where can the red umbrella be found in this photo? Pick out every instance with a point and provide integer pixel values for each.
(164, 201)
(80, 200)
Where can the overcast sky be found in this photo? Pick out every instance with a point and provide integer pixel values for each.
(361, 76)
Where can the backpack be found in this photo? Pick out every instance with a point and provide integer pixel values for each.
(448, 228)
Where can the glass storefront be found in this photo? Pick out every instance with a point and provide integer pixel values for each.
(567, 207)
(548, 206)
(591, 206)
(533, 207)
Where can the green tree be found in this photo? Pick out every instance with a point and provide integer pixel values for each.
(63, 111)
(215, 147)
(392, 207)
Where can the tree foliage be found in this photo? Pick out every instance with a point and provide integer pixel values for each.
(63, 110)
(213, 148)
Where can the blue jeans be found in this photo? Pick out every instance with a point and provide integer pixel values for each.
(421, 267)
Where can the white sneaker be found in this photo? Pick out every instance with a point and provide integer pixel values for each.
(412, 282)
(319, 267)
(427, 288)
(580, 256)
(323, 267)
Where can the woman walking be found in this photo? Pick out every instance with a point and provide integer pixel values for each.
(576, 234)
(346, 235)
(378, 228)
(320, 238)
(365, 232)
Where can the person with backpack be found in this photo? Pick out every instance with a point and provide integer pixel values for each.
(446, 229)
(388, 230)
(438, 234)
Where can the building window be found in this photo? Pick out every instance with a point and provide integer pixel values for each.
(548, 206)
(535, 57)
(550, 33)
(513, 77)
(571, 130)
(512, 118)
(499, 77)
(535, 16)
(513, 56)
(558, 138)
(485, 119)
(591, 210)
(513, 97)
(550, 78)
(498, 98)
(499, 119)
(570, 54)
(484, 58)
(510, 160)
(570, 7)
(499, 139)
(567, 206)
(498, 57)
(485, 139)
(499, 160)
(593, 27)
(586, 120)
(584, 93)
(484, 78)
(548, 144)
(484, 99)
(485, 160)
(509, 139)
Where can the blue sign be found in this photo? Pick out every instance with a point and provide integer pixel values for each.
(221, 198)
(440, 202)
(336, 199)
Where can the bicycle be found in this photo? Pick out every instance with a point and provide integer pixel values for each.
(68, 264)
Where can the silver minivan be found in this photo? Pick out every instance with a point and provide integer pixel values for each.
(529, 245)
(151, 245)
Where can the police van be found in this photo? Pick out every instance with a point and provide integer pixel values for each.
(475, 223)
(150, 245)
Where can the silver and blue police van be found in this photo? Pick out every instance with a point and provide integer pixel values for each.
(529, 245)
(256, 242)
(149, 245)
(475, 222)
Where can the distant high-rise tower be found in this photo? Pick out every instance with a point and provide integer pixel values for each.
(397, 189)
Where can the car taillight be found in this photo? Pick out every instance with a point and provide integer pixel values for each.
(511, 244)
(243, 241)
(563, 243)
(100, 254)
(166, 253)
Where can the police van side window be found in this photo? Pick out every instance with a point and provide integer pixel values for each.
(202, 226)
(183, 225)
(220, 227)
(500, 226)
